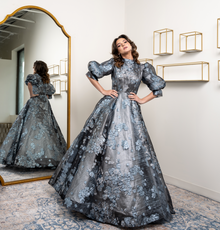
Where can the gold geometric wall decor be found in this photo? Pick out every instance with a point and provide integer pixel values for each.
(218, 37)
(163, 42)
(64, 85)
(63, 66)
(219, 70)
(57, 85)
(53, 70)
(144, 60)
(201, 66)
(196, 43)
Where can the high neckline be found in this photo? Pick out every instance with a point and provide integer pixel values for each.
(128, 60)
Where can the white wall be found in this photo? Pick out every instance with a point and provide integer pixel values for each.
(184, 124)
(7, 88)
(44, 41)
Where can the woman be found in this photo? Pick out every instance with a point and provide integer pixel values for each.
(35, 139)
(111, 173)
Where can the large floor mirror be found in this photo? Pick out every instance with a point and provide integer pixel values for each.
(28, 34)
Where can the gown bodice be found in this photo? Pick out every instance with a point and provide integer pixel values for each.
(39, 87)
(127, 78)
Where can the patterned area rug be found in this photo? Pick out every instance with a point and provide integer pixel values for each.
(14, 174)
(36, 206)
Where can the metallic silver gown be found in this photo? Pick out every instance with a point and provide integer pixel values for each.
(35, 139)
(111, 172)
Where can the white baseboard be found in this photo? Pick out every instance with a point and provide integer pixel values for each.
(192, 188)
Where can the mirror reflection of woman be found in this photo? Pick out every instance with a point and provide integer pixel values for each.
(35, 139)
(111, 173)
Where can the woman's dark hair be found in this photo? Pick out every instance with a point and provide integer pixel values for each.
(119, 61)
(41, 68)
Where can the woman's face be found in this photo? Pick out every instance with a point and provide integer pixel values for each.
(124, 47)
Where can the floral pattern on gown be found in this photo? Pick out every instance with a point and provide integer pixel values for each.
(35, 139)
(111, 173)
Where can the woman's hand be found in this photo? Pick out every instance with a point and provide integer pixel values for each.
(111, 92)
(134, 97)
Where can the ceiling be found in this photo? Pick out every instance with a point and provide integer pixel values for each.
(16, 21)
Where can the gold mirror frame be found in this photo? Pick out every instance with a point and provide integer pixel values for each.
(68, 86)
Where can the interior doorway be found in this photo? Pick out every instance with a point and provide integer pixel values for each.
(20, 81)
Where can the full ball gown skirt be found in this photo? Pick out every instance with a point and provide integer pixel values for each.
(111, 173)
(35, 139)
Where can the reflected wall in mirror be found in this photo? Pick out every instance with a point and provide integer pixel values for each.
(29, 34)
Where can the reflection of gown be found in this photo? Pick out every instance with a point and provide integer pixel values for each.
(111, 173)
(35, 139)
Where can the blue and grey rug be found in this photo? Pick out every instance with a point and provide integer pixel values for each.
(14, 174)
(36, 206)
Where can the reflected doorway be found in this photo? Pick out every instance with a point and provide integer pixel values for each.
(20, 81)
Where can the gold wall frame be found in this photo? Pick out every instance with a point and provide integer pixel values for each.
(55, 70)
(202, 63)
(146, 60)
(63, 62)
(57, 85)
(218, 46)
(68, 85)
(219, 70)
(160, 32)
(185, 36)
(64, 86)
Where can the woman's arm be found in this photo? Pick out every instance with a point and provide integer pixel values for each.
(112, 93)
(30, 90)
(154, 82)
(134, 97)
